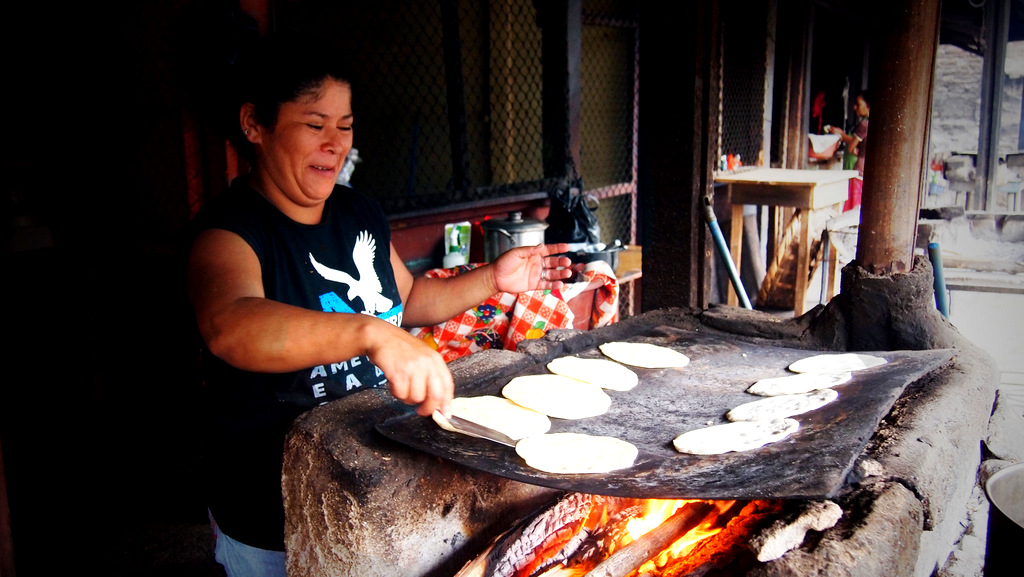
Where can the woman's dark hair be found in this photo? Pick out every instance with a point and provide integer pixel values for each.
(283, 68)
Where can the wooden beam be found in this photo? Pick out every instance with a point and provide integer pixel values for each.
(6, 543)
(996, 32)
(678, 133)
(794, 24)
(903, 47)
(561, 51)
(456, 95)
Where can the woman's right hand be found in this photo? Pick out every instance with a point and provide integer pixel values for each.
(416, 374)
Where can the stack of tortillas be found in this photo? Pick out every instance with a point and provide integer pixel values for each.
(758, 423)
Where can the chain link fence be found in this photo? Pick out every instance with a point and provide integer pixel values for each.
(743, 73)
(449, 102)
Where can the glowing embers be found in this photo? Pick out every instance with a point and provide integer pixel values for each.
(584, 534)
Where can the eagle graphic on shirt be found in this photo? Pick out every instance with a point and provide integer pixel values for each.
(367, 287)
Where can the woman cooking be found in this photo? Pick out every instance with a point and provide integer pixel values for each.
(275, 258)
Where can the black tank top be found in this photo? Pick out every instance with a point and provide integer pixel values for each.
(341, 265)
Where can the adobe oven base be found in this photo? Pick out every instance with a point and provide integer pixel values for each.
(358, 503)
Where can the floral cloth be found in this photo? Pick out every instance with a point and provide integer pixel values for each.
(505, 319)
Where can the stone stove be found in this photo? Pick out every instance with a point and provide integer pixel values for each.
(358, 503)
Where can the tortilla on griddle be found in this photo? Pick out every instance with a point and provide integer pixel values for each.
(836, 363)
(498, 413)
(736, 436)
(601, 372)
(557, 396)
(782, 406)
(797, 384)
(644, 355)
(576, 453)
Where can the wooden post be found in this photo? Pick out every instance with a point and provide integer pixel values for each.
(6, 543)
(794, 24)
(562, 42)
(456, 91)
(997, 29)
(903, 48)
(678, 132)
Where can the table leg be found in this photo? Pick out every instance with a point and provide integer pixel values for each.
(803, 262)
(736, 248)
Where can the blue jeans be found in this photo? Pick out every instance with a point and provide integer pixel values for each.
(241, 560)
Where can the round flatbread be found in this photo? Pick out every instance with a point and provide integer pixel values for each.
(797, 384)
(836, 363)
(557, 396)
(737, 436)
(498, 413)
(782, 406)
(645, 355)
(576, 453)
(601, 372)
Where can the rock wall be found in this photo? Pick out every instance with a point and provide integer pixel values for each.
(956, 100)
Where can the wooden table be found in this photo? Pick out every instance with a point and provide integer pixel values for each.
(806, 190)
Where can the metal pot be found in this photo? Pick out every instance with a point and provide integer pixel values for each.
(587, 253)
(502, 235)
(1005, 490)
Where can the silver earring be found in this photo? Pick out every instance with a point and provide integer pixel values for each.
(247, 132)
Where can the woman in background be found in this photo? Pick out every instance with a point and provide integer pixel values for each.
(856, 144)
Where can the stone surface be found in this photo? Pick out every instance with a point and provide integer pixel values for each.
(359, 504)
(968, 556)
(753, 323)
(784, 535)
(930, 444)
(893, 312)
(878, 536)
(1006, 433)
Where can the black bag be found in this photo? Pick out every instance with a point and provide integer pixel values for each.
(571, 218)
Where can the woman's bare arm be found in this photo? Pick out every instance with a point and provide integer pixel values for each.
(247, 330)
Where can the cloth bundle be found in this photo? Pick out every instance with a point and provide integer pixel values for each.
(505, 319)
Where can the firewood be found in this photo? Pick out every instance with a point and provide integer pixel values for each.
(530, 546)
(784, 535)
(632, 556)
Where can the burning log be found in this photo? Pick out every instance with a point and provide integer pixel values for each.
(602, 539)
(531, 546)
(632, 556)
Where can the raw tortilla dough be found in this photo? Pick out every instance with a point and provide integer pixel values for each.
(601, 372)
(782, 406)
(737, 436)
(645, 355)
(797, 384)
(557, 396)
(497, 413)
(836, 363)
(576, 453)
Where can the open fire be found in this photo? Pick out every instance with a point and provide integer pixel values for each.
(601, 536)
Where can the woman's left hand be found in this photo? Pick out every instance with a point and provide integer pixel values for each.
(531, 268)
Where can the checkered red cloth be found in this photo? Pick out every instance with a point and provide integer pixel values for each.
(505, 319)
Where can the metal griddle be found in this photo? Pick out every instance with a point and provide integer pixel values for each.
(810, 464)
